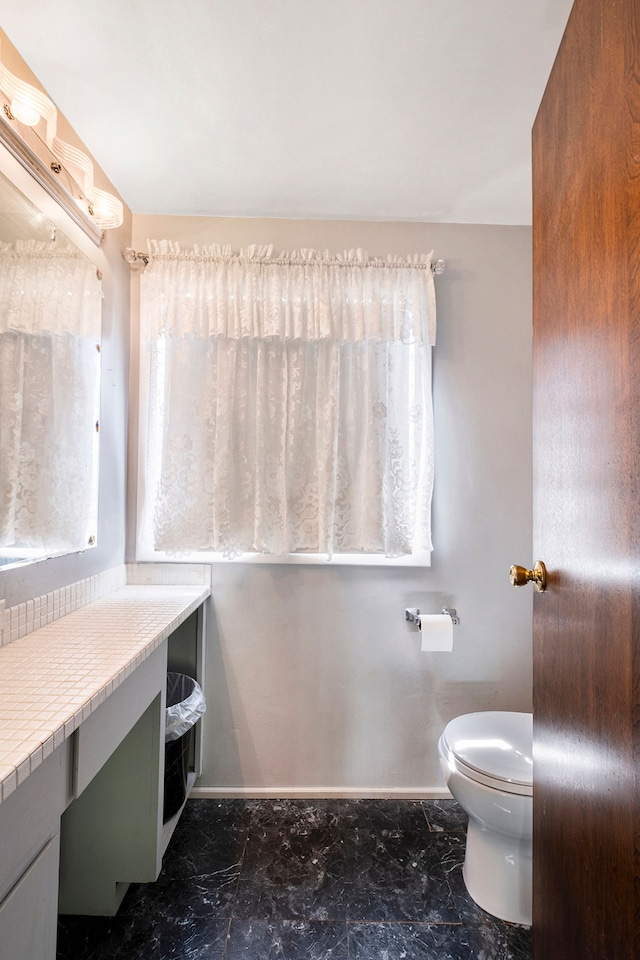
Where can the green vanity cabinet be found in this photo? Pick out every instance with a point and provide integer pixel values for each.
(88, 820)
(29, 845)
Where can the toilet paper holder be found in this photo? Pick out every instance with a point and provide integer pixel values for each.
(412, 614)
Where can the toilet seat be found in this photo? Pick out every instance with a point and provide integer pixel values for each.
(493, 748)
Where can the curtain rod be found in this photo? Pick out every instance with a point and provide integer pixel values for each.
(133, 256)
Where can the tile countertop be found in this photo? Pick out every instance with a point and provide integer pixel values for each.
(55, 677)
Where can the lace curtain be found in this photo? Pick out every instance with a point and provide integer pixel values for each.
(50, 313)
(290, 402)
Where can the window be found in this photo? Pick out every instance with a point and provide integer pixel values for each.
(289, 403)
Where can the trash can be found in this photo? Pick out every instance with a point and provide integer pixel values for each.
(185, 706)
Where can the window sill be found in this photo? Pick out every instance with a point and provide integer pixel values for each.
(147, 554)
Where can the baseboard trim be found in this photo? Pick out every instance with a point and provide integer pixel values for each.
(318, 793)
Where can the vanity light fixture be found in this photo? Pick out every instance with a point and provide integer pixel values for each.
(42, 151)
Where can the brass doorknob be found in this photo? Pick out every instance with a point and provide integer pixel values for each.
(520, 575)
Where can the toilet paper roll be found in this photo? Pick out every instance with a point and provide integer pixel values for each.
(437, 632)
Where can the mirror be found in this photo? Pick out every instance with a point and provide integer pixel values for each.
(50, 319)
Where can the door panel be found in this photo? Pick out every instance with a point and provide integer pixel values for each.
(586, 174)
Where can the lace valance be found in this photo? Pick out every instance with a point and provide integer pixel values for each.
(46, 291)
(301, 295)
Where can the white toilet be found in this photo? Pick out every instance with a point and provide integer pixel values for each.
(487, 762)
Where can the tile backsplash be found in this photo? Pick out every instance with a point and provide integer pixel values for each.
(173, 574)
(23, 618)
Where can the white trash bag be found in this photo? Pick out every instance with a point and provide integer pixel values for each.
(185, 705)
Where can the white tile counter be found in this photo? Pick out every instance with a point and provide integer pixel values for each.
(82, 705)
(53, 678)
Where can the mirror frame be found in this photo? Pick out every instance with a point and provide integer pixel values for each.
(43, 190)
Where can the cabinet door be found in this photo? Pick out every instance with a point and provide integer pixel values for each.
(29, 914)
(110, 832)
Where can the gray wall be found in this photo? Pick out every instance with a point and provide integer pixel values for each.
(315, 683)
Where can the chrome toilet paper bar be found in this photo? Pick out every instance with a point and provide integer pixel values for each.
(413, 614)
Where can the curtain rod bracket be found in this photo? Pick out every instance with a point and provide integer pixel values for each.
(132, 256)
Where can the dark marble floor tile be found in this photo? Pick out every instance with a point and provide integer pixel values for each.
(500, 941)
(293, 814)
(202, 865)
(397, 876)
(286, 940)
(392, 869)
(141, 938)
(340, 815)
(294, 861)
(293, 871)
(409, 941)
(423, 941)
(314, 823)
(444, 815)
(387, 817)
(209, 836)
(205, 894)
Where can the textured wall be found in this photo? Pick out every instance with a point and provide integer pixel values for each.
(315, 683)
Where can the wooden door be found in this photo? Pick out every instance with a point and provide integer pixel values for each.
(586, 157)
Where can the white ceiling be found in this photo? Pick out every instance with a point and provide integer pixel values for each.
(356, 109)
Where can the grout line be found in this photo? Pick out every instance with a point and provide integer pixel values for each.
(226, 939)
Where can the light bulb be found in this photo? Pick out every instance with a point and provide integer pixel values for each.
(24, 113)
(107, 210)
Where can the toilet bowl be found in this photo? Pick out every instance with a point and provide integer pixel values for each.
(487, 763)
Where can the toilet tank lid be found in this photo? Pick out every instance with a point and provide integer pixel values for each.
(497, 743)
